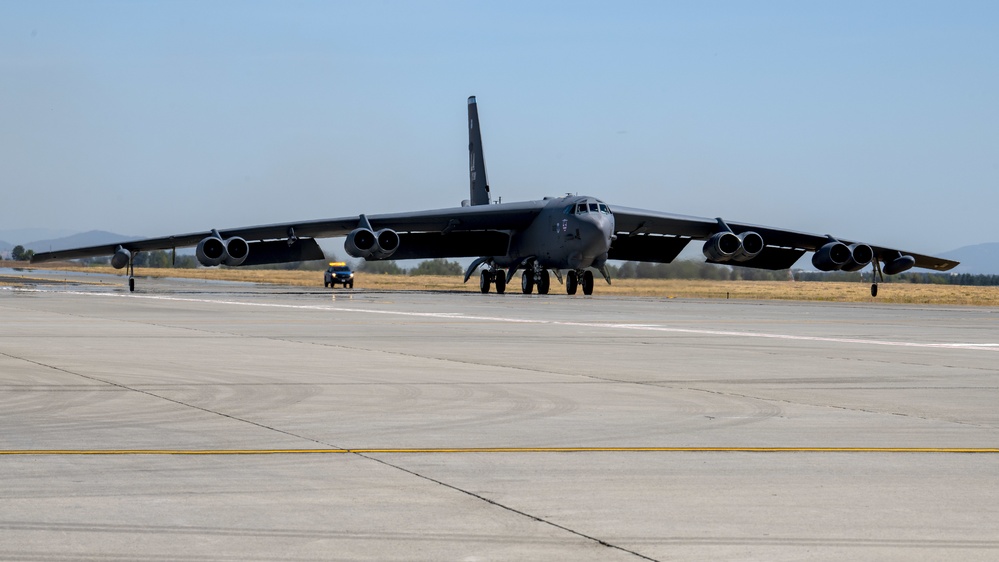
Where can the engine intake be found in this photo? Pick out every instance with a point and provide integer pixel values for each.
(860, 256)
(236, 251)
(722, 246)
(727, 246)
(388, 243)
(363, 243)
(832, 257)
(212, 251)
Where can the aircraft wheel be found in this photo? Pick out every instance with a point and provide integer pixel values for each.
(587, 282)
(500, 281)
(131, 284)
(571, 282)
(484, 282)
(527, 282)
(544, 283)
(874, 289)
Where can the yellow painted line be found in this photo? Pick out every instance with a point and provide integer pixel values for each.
(501, 450)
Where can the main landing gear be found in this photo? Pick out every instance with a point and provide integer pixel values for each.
(579, 277)
(540, 279)
(495, 277)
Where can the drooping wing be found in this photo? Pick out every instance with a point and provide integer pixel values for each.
(450, 232)
(644, 235)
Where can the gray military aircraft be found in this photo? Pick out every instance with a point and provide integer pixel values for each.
(573, 233)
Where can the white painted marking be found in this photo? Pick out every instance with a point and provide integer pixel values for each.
(599, 325)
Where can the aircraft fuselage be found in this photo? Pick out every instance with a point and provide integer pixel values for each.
(571, 232)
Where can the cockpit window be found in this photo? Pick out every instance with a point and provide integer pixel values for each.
(604, 209)
(594, 208)
(581, 208)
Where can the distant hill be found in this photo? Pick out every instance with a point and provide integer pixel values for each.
(84, 239)
(978, 259)
(17, 236)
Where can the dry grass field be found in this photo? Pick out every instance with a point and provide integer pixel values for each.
(671, 288)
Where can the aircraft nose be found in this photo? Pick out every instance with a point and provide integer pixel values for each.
(597, 239)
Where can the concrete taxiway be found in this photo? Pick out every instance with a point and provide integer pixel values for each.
(195, 420)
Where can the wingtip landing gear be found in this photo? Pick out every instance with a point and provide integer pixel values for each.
(131, 273)
(876, 276)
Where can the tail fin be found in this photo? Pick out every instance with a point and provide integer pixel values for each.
(478, 186)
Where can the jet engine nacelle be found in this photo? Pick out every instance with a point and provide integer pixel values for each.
(120, 258)
(236, 251)
(213, 251)
(727, 246)
(832, 257)
(388, 243)
(363, 243)
(899, 264)
(860, 256)
(722, 246)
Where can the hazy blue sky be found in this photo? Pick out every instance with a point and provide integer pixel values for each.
(871, 120)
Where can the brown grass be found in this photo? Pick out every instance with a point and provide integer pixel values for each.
(660, 288)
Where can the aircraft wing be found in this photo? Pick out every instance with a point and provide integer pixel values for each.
(658, 235)
(433, 233)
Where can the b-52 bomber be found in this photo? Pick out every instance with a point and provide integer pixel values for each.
(574, 234)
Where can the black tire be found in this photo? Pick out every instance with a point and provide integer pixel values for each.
(527, 282)
(484, 282)
(587, 282)
(874, 289)
(571, 282)
(326, 283)
(131, 284)
(500, 282)
(351, 284)
(544, 283)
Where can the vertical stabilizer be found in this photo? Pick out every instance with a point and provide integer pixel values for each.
(478, 186)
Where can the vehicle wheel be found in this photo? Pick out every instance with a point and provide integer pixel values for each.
(500, 281)
(544, 283)
(587, 282)
(351, 284)
(571, 282)
(484, 282)
(326, 283)
(874, 290)
(527, 282)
